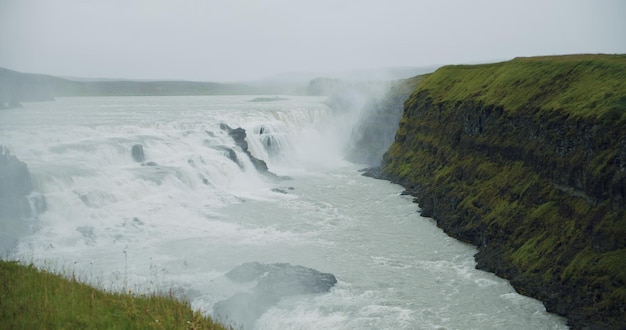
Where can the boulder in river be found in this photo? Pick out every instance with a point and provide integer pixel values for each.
(137, 152)
(274, 282)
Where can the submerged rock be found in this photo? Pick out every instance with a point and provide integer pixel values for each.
(137, 152)
(283, 279)
(230, 153)
(275, 281)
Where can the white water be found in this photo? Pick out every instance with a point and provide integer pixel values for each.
(181, 225)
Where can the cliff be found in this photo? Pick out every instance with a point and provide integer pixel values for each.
(526, 159)
(375, 131)
(379, 107)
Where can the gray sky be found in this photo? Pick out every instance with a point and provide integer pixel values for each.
(213, 40)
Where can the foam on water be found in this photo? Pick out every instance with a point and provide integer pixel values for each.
(181, 222)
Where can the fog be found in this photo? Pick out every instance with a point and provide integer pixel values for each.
(249, 40)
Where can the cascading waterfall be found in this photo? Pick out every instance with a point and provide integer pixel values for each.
(194, 206)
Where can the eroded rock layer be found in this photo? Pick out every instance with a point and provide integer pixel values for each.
(527, 160)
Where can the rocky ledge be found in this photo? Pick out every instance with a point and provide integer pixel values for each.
(273, 282)
(526, 159)
(19, 204)
(239, 136)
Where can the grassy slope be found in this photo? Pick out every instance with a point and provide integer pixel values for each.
(480, 141)
(587, 86)
(34, 299)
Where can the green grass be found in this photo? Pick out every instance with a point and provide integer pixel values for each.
(37, 299)
(526, 153)
(584, 85)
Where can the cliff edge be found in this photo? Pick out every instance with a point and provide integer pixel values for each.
(526, 159)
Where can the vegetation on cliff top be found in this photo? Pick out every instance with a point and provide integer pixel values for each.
(582, 85)
(37, 299)
(527, 160)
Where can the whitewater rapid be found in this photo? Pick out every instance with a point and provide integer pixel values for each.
(178, 224)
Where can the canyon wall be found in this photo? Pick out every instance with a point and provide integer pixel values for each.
(526, 159)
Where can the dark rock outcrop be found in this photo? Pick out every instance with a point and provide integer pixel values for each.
(282, 190)
(137, 152)
(270, 140)
(239, 136)
(283, 279)
(18, 202)
(523, 160)
(274, 281)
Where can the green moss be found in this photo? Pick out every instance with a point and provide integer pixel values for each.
(527, 255)
(545, 210)
(522, 156)
(584, 85)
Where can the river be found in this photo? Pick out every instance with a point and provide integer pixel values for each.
(177, 221)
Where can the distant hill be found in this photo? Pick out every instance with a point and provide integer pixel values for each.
(16, 87)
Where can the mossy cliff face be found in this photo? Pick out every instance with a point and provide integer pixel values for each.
(527, 160)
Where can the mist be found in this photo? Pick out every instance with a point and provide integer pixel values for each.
(247, 40)
(156, 194)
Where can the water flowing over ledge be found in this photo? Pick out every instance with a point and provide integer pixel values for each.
(191, 213)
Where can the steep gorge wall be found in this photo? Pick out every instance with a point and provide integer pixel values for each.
(16, 87)
(527, 160)
(373, 135)
(379, 106)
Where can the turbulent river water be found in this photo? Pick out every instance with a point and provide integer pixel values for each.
(186, 216)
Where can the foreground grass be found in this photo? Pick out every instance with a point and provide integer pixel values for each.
(37, 299)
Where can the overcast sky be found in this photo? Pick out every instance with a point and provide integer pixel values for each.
(236, 40)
